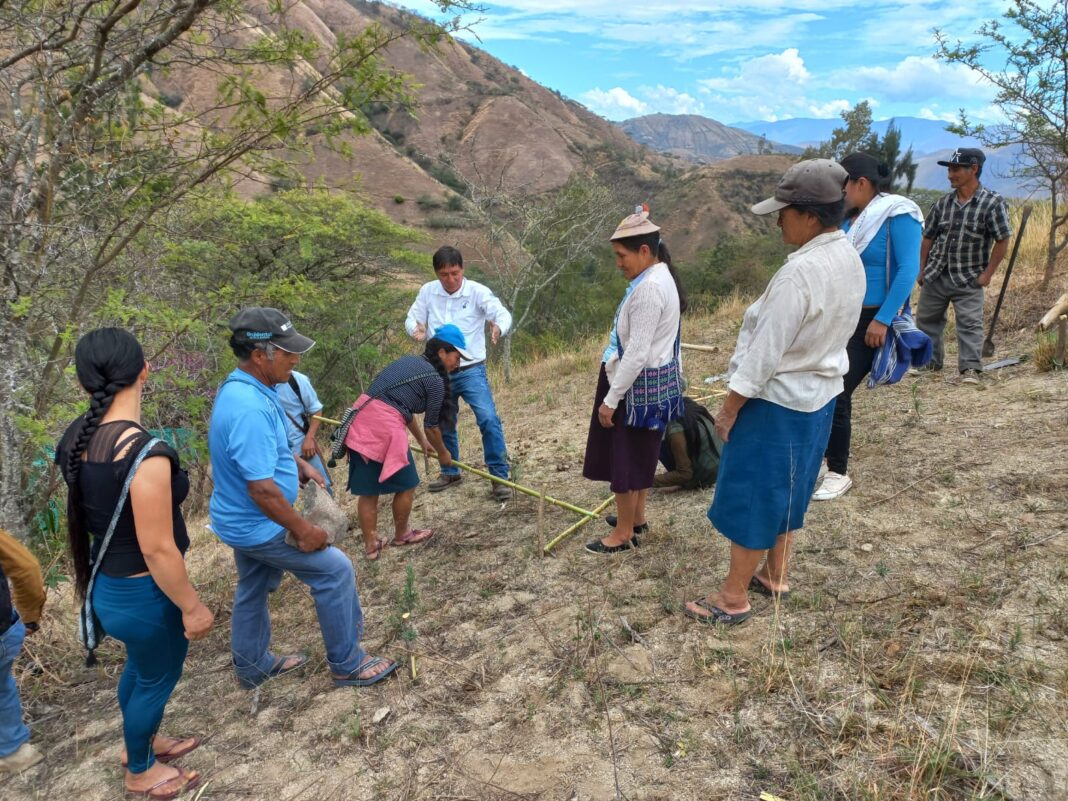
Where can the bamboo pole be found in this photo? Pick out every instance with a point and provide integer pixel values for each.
(572, 529)
(519, 487)
(704, 348)
(717, 394)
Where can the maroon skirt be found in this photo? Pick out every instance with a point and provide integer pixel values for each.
(624, 457)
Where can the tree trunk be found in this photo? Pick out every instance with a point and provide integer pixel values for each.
(1051, 245)
(12, 363)
(506, 358)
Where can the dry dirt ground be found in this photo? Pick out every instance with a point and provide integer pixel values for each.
(922, 656)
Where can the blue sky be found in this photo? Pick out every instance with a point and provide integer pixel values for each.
(740, 61)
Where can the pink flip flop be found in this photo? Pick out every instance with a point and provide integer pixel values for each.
(413, 536)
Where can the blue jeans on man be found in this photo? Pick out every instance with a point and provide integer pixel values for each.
(13, 731)
(330, 577)
(473, 386)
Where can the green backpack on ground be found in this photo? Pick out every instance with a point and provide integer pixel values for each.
(702, 443)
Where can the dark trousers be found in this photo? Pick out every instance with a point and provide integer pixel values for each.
(860, 359)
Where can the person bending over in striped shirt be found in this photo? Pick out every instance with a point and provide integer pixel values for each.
(380, 461)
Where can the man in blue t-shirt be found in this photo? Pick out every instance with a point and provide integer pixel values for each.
(300, 402)
(256, 479)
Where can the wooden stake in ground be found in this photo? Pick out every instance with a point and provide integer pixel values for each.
(1062, 338)
(541, 523)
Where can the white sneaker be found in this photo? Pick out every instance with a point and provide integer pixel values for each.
(822, 473)
(834, 485)
(25, 757)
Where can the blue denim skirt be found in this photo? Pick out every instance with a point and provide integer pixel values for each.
(768, 471)
(364, 473)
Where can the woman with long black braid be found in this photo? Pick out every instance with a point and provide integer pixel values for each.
(141, 593)
(380, 462)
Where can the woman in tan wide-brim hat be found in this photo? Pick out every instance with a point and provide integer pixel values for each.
(623, 448)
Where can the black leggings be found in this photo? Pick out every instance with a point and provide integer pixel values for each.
(860, 359)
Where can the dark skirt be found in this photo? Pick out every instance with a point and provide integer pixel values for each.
(625, 457)
(363, 476)
(768, 471)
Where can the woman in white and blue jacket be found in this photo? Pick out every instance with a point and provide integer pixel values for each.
(878, 220)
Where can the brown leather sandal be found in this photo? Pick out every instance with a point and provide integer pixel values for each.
(177, 751)
(379, 546)
(190, 779)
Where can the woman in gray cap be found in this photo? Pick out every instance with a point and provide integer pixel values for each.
(783, 378)
(639, 385)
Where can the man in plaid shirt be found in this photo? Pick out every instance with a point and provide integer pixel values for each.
(965, 237)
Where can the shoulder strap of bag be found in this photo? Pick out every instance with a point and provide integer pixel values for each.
(295, 386)
(337, 439)
(89, 634)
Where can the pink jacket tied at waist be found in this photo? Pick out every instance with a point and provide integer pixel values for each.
(379, 434)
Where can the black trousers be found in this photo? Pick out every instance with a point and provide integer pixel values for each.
(860, 360)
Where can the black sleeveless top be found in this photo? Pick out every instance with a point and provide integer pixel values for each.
(101, 479)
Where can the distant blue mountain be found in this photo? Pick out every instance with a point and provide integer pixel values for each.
(925, 136)
(929, 139)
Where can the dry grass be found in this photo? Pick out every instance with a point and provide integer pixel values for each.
(921, 657)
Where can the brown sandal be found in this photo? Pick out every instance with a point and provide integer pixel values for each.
(191, 780)
(373, 554)
(174, 753)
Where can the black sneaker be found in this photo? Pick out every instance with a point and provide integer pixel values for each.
(444, 481)
(612, 520)
(501, 492)
(601, 549)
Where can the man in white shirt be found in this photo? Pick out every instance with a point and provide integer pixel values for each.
(468, 305)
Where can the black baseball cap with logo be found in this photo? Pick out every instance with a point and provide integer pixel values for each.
(965, 157)
(257, 324)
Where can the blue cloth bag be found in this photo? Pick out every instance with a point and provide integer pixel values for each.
(905, 346)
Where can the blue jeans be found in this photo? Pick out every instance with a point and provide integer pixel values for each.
(13, 732)
(473, 386)
(330, 577)
(136, 612)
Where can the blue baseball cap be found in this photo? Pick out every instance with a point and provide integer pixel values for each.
(454, 336)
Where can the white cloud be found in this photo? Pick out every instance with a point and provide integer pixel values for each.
(918, 78)
(765, 87)
(931, 113)
(615, 104)
(667, 100)
(773, 73)
(833, 108)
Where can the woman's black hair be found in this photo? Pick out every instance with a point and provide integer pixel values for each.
(107, 360)
(829, 214)
(865, 165)
(656, 245)
(449, 407)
